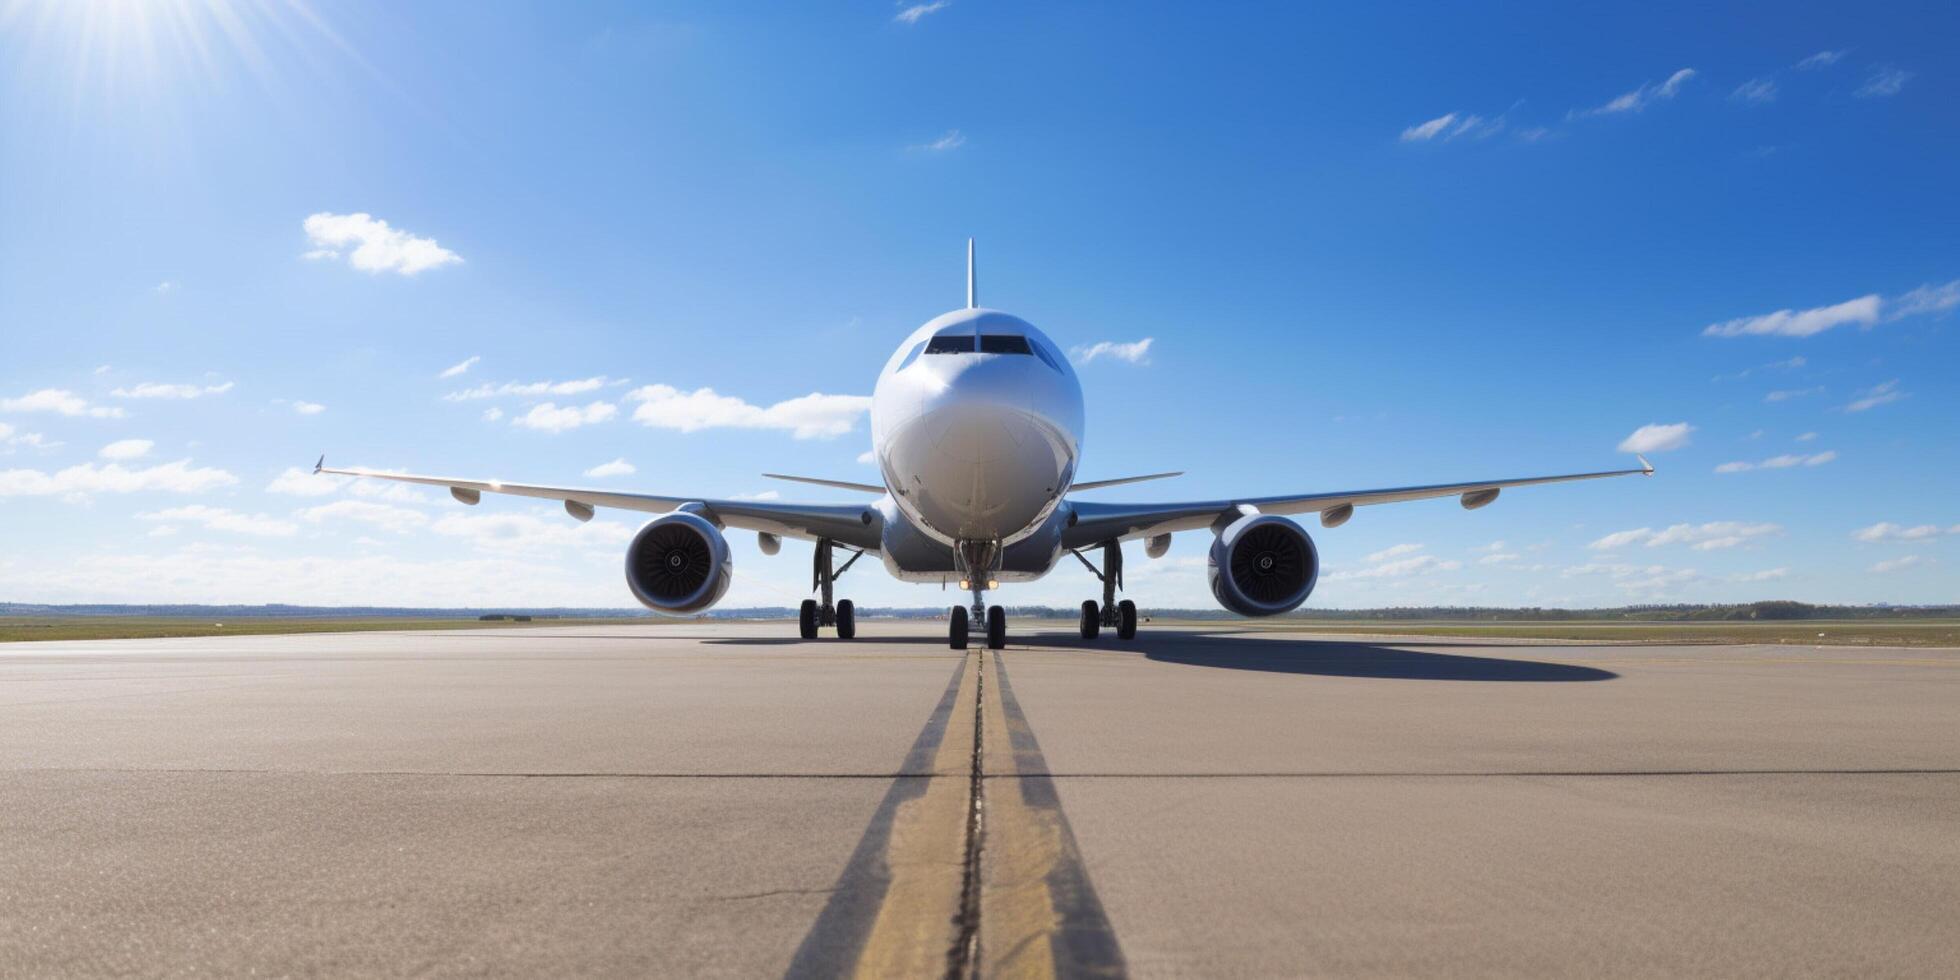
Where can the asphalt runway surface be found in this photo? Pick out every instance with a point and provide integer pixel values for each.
(727, 800)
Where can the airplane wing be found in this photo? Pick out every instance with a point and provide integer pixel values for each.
(856, 525)
(1096, 523)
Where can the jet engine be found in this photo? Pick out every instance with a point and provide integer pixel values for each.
(1262, 565)
(679, 563)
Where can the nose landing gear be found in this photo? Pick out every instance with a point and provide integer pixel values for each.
(1120, 615)
(813, 615)
(977, 562)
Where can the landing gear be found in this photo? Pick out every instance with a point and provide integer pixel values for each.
(978, 563)
(814, 614)
(1121, 615)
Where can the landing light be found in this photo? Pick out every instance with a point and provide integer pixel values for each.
(964, 584)
(993, 583)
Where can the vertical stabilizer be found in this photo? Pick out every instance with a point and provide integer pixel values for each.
(972, 285)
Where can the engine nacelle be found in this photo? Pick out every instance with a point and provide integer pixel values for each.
(679, 563)
(1262, 565)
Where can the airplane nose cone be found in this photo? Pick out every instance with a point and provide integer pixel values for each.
(979, 472)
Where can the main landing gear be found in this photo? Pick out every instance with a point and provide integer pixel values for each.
(959, 626)
(813, 614)
(1121, 615)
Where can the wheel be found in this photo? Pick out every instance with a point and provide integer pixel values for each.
(1126, 620)
(996, 627)
(956, 629)
(1091, 619)
(806, 619)
(847, 620)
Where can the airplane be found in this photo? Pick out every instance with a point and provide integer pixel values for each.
(977, 427)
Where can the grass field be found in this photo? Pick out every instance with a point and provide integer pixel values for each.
(18, 628)
(1809, 632)
(1851, 632)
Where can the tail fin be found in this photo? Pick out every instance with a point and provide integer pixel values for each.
(972, 284)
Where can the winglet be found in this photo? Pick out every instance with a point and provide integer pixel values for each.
(321, 463)
(1645, 467)
(972, 284)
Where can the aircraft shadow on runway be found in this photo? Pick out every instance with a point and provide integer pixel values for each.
(1347, 658)
(1227, 650)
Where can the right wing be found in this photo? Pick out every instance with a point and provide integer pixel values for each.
(857, 525)
(1095, 523)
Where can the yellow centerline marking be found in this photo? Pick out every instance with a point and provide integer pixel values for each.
(917, 922)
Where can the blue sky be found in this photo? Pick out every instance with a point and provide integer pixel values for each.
(1366, 247)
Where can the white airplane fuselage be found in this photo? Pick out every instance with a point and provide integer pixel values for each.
(976, 423)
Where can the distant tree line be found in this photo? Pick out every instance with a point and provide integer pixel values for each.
(1680, 612)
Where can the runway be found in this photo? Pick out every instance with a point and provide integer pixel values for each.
(726, 800)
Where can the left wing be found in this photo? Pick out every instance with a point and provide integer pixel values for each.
(857, 525)
(1096, 523)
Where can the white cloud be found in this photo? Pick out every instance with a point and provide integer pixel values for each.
(539, 532)
(1394, 551)
(1766, 575)
(1755, 90)
(1712, 536)
(1822, 59)
(1926, 299)
(1866, 311)
(1498, 558)
(458, 368)
(812, 416)
(308, 408)
(1881, 394)
(618, 467)
(1423, 132)
(1787, 394)
(548, 417)
(1884, 81)
(868, 457)
(220, 519)
(1782, 462)
(1134, 352)
(153, 389)
(492, 414)
(1902, 562)
(763, 495)
(1397, 561)
(919, 11)
(297, 482)
(164, 287)
(376, 247)
(1807, 437)
(1791, 364)
(1656, 437)
(1641, 97)
(1800, 323)
(530, 389)
(1645, 580)
(953, 139)
(1888, 531)
(58, 400)
(126, 449)
(400, 520)
(87, 478)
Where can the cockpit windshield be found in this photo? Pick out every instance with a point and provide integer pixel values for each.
(1004, 343)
